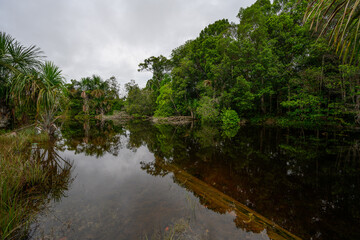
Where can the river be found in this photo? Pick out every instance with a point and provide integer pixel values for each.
(137, 180)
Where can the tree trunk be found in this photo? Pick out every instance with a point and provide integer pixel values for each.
(262, 99)
(357, 104)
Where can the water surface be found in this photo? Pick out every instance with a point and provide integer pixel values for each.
(136, 180)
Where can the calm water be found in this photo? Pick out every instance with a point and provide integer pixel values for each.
(138, 181)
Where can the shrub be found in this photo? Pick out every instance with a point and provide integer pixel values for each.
(230, 119)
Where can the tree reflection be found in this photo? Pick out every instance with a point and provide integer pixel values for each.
(58, 169)
(94, 138)
(306, 181)
(35, 197)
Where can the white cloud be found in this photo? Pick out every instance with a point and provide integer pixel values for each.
(110, 37)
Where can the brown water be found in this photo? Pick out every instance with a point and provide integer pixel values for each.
(138, 180)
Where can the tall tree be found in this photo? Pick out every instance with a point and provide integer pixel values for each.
(159, 66)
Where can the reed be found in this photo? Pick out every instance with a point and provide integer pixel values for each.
(25, 181)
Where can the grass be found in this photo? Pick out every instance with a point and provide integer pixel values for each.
(25, 181)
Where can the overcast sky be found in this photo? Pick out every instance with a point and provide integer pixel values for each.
(110, 37)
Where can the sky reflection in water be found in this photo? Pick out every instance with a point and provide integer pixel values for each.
(113, 198)
(113, 195)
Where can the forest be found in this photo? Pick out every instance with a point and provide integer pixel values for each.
(270, 65)
(285, 61)
(288, 63)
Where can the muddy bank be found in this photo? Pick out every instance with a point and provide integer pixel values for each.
(176, 120)
(116, 116)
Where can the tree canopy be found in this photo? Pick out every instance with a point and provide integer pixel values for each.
(267, 64)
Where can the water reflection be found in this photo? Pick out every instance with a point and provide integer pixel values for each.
(55, 173)
(304, 181)
(91, 138)
(59, 169)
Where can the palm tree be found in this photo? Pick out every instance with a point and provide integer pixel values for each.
(101, 94)
(340, 22)
(97, 93)
(42, 89)
(15, 60)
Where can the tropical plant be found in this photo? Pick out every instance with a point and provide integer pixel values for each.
(340, 22)
(229, 119)
(41, 89)
(165, 103)
(16, 61)
(15, 58)
(97, 95)
(139, 102)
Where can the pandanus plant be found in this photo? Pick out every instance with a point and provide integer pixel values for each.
(16, 61)
(42, 89)
(339, 21)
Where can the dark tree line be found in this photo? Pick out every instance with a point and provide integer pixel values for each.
(269, 64)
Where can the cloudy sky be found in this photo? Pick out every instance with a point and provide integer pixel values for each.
(110, 37)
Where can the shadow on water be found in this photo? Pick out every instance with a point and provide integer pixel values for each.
(276, 183)
(305, 181)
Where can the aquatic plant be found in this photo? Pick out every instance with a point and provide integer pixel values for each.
(30, 176)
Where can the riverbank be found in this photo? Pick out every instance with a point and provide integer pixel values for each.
(275, 121)
(26, 180)
(123, 117)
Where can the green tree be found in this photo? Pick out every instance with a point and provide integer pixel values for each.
(230, 119)
(139, 102)
(159, 66)
(207, 109)
(165, 104)
(97, 95)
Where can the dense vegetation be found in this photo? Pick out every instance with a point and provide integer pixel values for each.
(341, 19)
(289, 60)
(92, 96)
(270, 64)
(30, 177)
(33, 89)
(29, 87)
